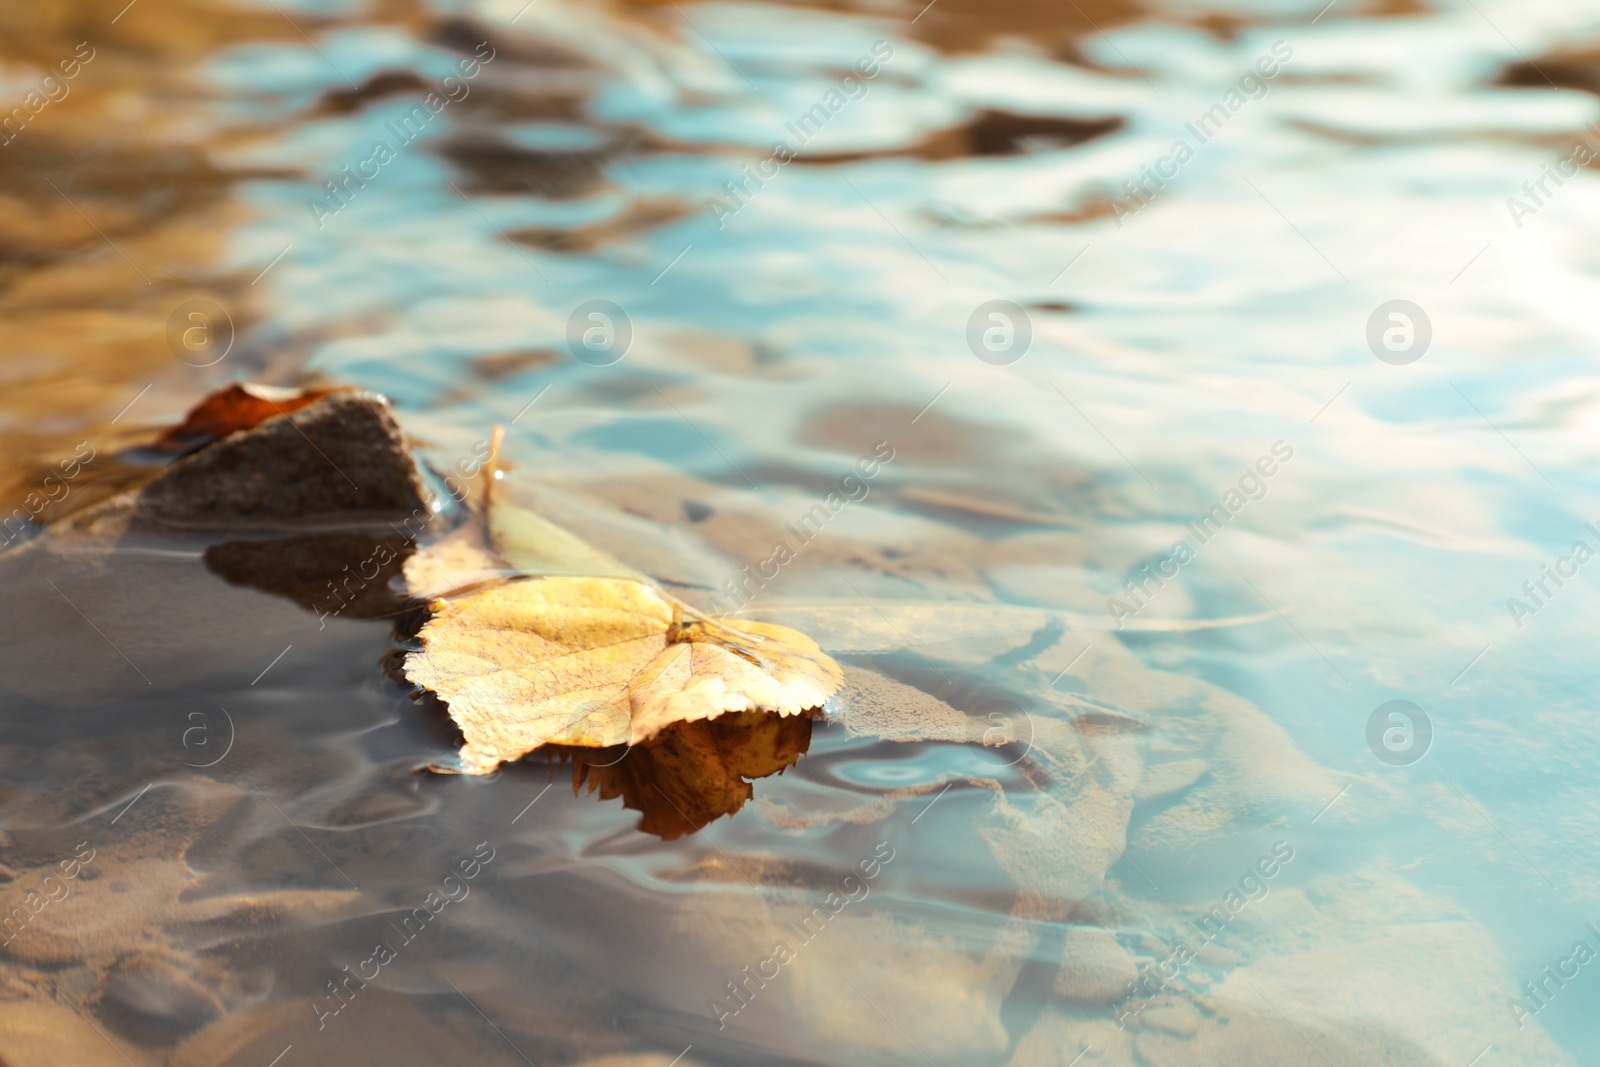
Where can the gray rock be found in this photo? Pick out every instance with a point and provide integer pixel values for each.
(340, 455)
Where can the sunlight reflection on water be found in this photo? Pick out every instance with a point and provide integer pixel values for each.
(783, 317)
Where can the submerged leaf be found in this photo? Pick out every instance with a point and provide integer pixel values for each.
(599, 661)
(457, 562)
(499, 540)
(535, 545)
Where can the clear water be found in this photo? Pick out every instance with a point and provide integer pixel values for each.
(260, 823)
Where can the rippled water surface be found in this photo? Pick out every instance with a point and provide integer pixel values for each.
(1117, 776)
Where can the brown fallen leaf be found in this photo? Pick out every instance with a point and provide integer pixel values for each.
(599, 661)
(692, 773)
(240, 406)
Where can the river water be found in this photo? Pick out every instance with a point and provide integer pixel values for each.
(1216, 630)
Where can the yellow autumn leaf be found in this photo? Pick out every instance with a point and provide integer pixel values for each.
(599, 661)
(580, 650)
